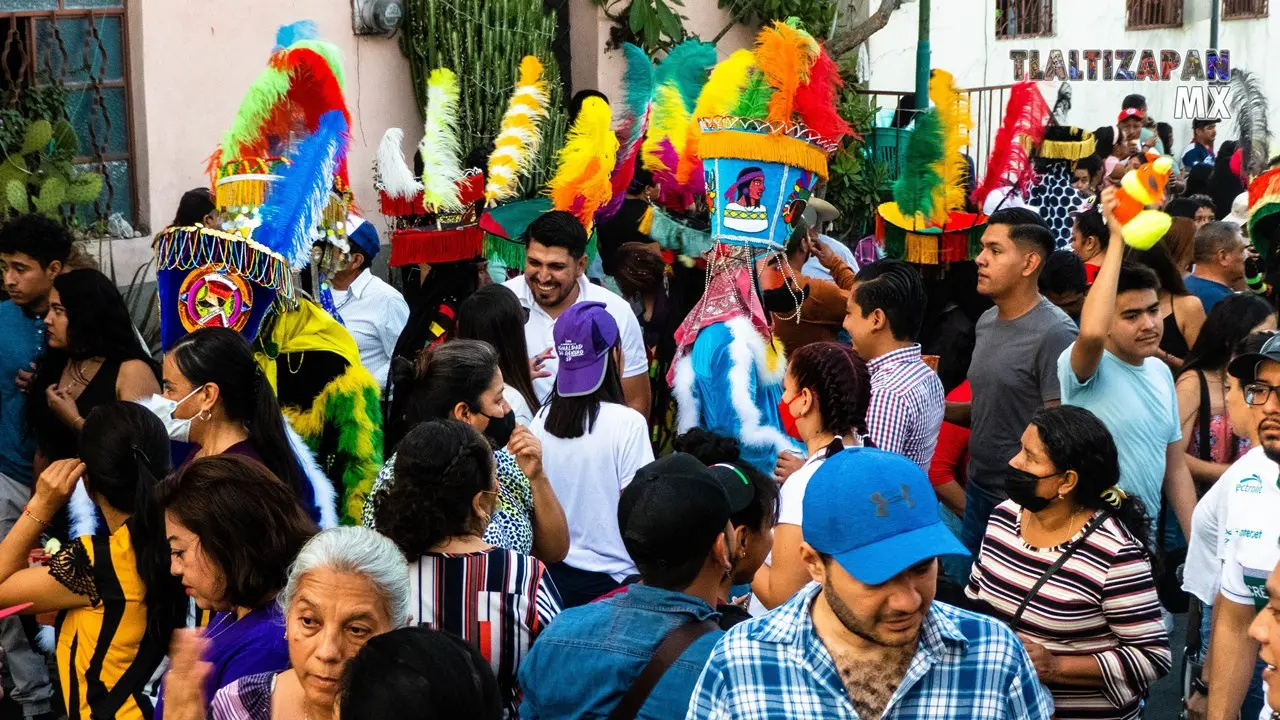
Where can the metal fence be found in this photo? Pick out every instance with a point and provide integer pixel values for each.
(79, 49)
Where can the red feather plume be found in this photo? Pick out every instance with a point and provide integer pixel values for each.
(817, 100)
(1025, 118)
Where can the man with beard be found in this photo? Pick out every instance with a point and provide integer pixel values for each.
(1111, 370)
(553, 281)
(1251, 549)
(866, 639)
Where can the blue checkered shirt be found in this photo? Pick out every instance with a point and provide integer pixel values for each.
(907, 403)
(775, 666)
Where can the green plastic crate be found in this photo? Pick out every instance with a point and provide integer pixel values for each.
(888, 145)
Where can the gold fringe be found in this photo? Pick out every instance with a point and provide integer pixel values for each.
(922, 249)
(245, 192)
(764, 148)
(1068, 150)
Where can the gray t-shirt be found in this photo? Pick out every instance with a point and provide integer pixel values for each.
(1014, 372)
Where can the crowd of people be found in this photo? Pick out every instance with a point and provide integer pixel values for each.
(806, 484)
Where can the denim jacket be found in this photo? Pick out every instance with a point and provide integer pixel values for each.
(588, 657)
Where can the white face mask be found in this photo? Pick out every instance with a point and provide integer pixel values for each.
(163, 408)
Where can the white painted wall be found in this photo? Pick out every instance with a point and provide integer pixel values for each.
(963, 42)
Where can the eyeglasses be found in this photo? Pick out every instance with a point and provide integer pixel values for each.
(1256, 393)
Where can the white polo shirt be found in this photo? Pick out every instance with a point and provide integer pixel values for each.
(538, 330)
(375, 314)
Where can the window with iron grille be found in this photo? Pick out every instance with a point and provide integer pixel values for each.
(1147, 14)
(1023, 18)
(75, 51)
(1243, 9)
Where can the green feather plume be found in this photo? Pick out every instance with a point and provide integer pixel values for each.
(755, 98)
(914, 189)
(687, 66)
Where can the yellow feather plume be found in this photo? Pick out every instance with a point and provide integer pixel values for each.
(785, 55)
(668, 120)
(953, 114)
(582, 181)
(719, 97)
(516, 147)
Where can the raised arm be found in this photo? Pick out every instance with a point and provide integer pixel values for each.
(1100, 305)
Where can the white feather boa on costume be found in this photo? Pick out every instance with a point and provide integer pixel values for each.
(84, 515)
(747, 350)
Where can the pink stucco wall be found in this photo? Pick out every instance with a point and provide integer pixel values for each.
(193, 60)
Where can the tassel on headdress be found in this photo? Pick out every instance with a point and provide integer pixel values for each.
(581, 183)
(441, 167)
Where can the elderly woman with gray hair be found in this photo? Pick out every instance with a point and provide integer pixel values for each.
(347, 585)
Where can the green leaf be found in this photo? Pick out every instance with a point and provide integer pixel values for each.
(65, 141)
(636, 16)
(85, 189)
(671, 25)
(39, 133)
(15, 194)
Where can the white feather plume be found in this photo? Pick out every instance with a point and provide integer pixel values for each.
(394, 176)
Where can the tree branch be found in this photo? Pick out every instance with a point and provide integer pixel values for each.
(848, 40)
(723, 31)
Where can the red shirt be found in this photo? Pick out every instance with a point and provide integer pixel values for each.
(1091, 272)
(951, 457)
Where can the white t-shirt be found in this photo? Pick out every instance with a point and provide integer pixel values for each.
(790, 509)
(1250, 549)
(538, 330)
(588, 474)
(1203, 569)
(520, 406)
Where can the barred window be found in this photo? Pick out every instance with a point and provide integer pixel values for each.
(1244, 9)
(1147, 14)
(1024, 18)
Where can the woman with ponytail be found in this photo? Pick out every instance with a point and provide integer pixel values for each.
(825, 395)
(1065, 563)
(217, 398)
(437, 510)
(117, 600)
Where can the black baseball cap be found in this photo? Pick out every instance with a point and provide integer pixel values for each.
(1245, 367)
(1202, 123)
(737, 486)
(673, 509)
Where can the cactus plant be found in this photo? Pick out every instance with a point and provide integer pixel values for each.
(43, 177)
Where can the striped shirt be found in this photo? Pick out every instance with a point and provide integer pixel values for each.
(105, 657)
(1102, 602)
(497, 600)
(907, 402)
(776, 666)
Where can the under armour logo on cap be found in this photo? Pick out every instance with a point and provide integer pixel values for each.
(882, 503)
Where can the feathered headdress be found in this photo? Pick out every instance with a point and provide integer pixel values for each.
(916, 190)
(1249, 108)
(954, 120)
(441, 167)
(518, 140)
(630, 123)
(679, 80)
(1025, 118)
(719, 96)
(581, 184)
(393, 177)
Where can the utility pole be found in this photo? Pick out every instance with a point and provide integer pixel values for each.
(1213, 23)
(923, 59)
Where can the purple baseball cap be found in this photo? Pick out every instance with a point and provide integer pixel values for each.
(584, 334)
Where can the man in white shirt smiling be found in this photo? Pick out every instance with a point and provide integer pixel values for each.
(372, 311)
(553, 281)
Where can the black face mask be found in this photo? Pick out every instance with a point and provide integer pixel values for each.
(500, 428)
(1021, 487)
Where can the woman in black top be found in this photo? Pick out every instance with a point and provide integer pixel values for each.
(93, 357)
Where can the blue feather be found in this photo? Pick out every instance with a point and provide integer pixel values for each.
(296, 203)
(289, 34)
(688, 65)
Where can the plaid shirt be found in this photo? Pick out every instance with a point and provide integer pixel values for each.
(907, 402)
(776, 666)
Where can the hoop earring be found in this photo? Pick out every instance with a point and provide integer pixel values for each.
(205, 415)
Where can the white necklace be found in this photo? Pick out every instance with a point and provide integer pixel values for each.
(222, 626)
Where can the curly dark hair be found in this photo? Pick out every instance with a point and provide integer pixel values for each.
(249, 522)
(440, 466)
(712, 449)
(839, 378)
(1075, 439)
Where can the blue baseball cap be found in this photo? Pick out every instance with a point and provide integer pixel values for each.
(876, 514)
(364, 237)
